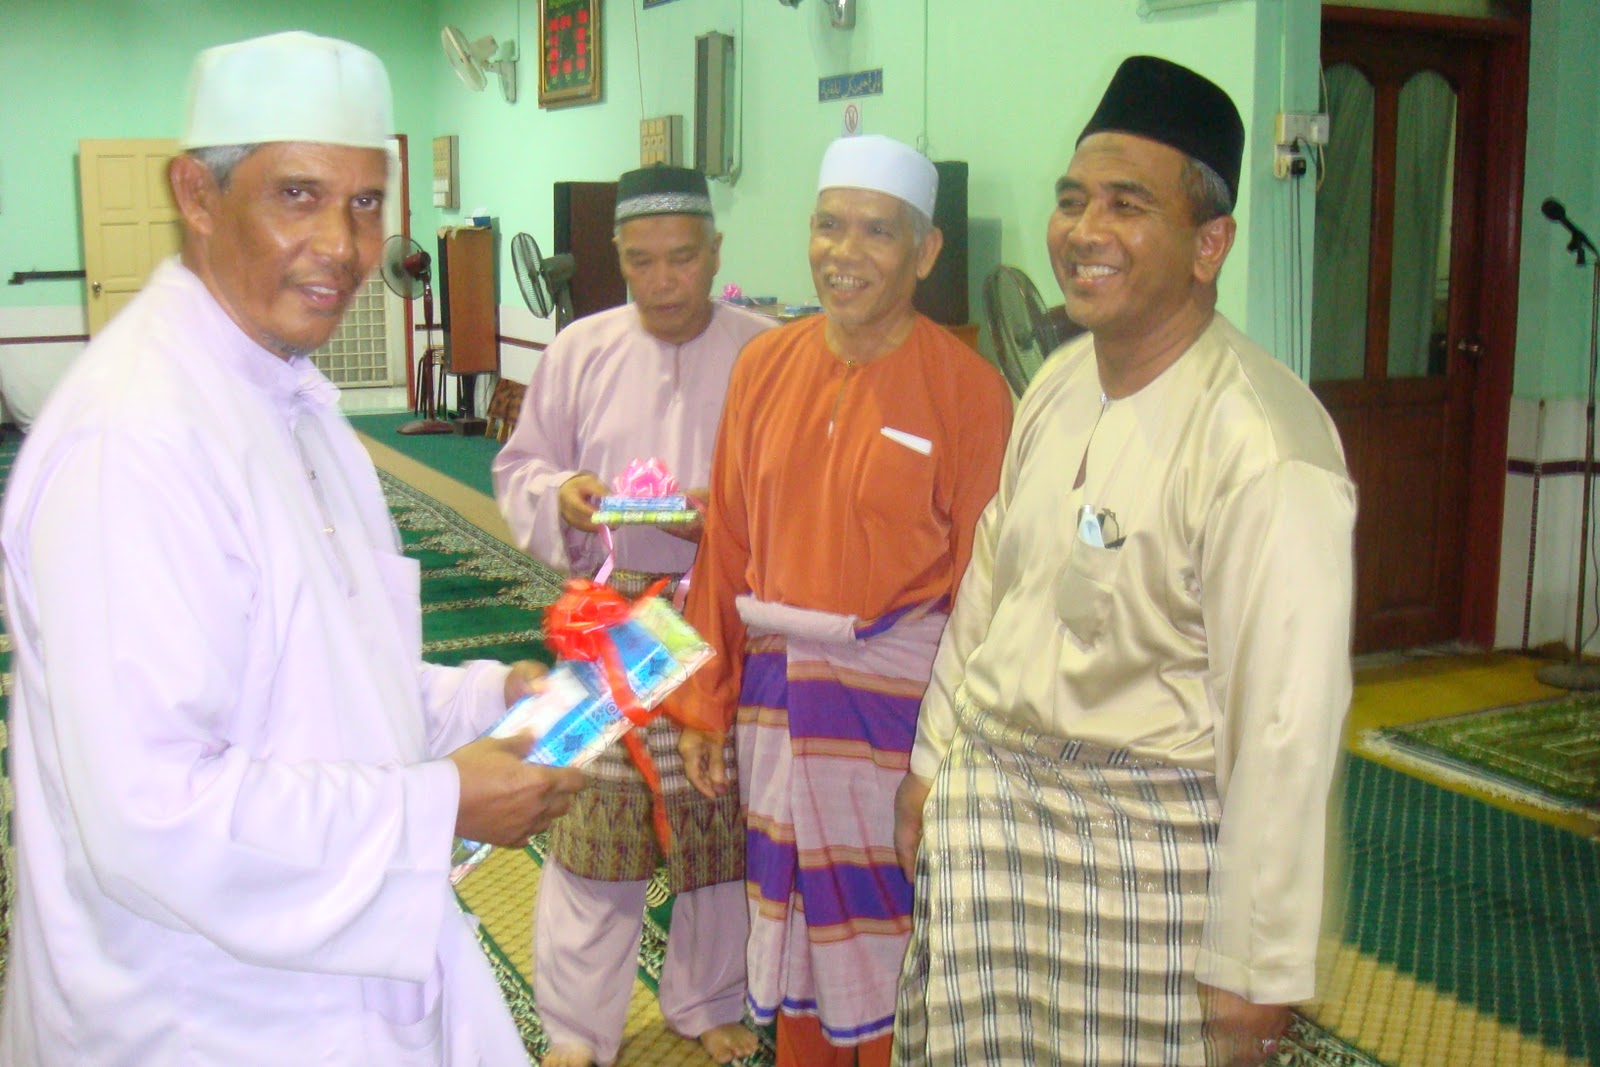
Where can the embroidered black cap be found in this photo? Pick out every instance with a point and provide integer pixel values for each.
(1158, 99)
(662, 190)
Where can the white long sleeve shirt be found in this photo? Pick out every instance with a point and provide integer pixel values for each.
(233, 826)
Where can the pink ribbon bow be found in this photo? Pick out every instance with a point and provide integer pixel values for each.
(646, 477)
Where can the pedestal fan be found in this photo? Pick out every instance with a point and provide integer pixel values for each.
(545, 283)
(407, 271)
(1023, 330)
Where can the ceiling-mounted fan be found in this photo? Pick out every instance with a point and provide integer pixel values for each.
(408, 271)
(1023, 330)
(474, 60)
(545, 283)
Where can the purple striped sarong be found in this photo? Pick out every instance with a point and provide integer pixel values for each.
(827, 715)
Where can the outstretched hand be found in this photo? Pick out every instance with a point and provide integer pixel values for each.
(505, 800)
(578, 498)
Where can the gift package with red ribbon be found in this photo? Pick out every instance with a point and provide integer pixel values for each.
(645, 493)
(617, 660)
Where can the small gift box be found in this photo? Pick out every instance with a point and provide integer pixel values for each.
(646, 494)
(618, 661)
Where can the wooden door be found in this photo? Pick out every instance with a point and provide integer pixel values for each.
(130, 222)
(1410, 346)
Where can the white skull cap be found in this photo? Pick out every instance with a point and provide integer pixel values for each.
(291, 86)
(884, 165)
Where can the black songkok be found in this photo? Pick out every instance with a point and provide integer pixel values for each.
(662, 190)
(1158, 99)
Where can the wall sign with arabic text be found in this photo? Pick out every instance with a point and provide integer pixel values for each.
(845, 86)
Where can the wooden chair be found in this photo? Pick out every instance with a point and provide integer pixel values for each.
(505, 404)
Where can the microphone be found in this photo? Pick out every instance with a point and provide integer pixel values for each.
(1556, 212)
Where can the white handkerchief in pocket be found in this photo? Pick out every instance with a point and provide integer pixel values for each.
(910, 440)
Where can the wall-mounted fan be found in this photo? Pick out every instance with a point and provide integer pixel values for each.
(408, 272)
(475, 60)
(545, 283)
(1023, 330)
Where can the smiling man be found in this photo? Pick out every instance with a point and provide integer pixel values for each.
(1122, 769)
(236, 781)
(641, 381)
(856, 450)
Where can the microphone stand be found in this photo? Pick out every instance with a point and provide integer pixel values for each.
(1575, 673)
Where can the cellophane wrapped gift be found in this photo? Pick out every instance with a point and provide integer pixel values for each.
(575, 716)
(645, 493)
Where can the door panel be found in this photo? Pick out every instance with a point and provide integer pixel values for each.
(130, 222)
(1397, 300)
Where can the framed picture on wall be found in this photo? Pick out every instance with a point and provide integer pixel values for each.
(569, 52)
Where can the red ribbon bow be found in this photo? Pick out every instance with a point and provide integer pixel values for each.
(575, 627)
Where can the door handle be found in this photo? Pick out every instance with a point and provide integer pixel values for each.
(1470, 347)
(95, 288)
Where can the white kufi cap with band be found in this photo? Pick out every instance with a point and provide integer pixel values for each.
(291, 86)
(884, 165)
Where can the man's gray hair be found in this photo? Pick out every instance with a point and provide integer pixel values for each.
(1209, 197)
(221, 159)
(921, 225)
(709, 226)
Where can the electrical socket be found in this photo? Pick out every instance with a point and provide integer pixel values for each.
(1288, 161)
(1308, 126)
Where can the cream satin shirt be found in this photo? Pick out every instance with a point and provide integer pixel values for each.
(1215, 636)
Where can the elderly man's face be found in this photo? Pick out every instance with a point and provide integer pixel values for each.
(668, 262)
(1123, 240)
(865, 258)
(286, 246)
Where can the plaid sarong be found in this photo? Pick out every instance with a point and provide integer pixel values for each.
(828, 711)
(1060, 898)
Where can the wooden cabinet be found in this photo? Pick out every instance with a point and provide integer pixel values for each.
(471, 343)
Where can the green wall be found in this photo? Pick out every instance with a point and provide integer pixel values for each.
(1563, 131)
(1005, 87)
(71, 70)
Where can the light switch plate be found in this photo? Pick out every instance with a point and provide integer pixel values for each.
(661, 141)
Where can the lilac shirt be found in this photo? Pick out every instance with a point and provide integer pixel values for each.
(605, 393)
(233, 830)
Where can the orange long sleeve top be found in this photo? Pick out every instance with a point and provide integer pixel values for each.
(850, 489)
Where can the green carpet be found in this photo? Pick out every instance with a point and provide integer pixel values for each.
(466, 459)
(1545, 753)
(1501, 911)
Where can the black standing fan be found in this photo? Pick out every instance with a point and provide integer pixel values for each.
(408, 271)
(545, 283)
(1023, 330)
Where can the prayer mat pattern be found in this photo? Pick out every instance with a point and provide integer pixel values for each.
(1499, 912)
(1545, 753)
(481, 598)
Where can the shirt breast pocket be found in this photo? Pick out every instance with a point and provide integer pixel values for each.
(898, 468)
(1083, 592)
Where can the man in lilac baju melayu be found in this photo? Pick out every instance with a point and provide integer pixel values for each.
(641, 381)
(236, 781)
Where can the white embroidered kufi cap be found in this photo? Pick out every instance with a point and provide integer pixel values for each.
(291, 86)
(884, 165)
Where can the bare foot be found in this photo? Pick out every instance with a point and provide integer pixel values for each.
(568, 1056)
(728, 1043)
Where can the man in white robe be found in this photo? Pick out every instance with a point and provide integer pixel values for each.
(236, 781)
